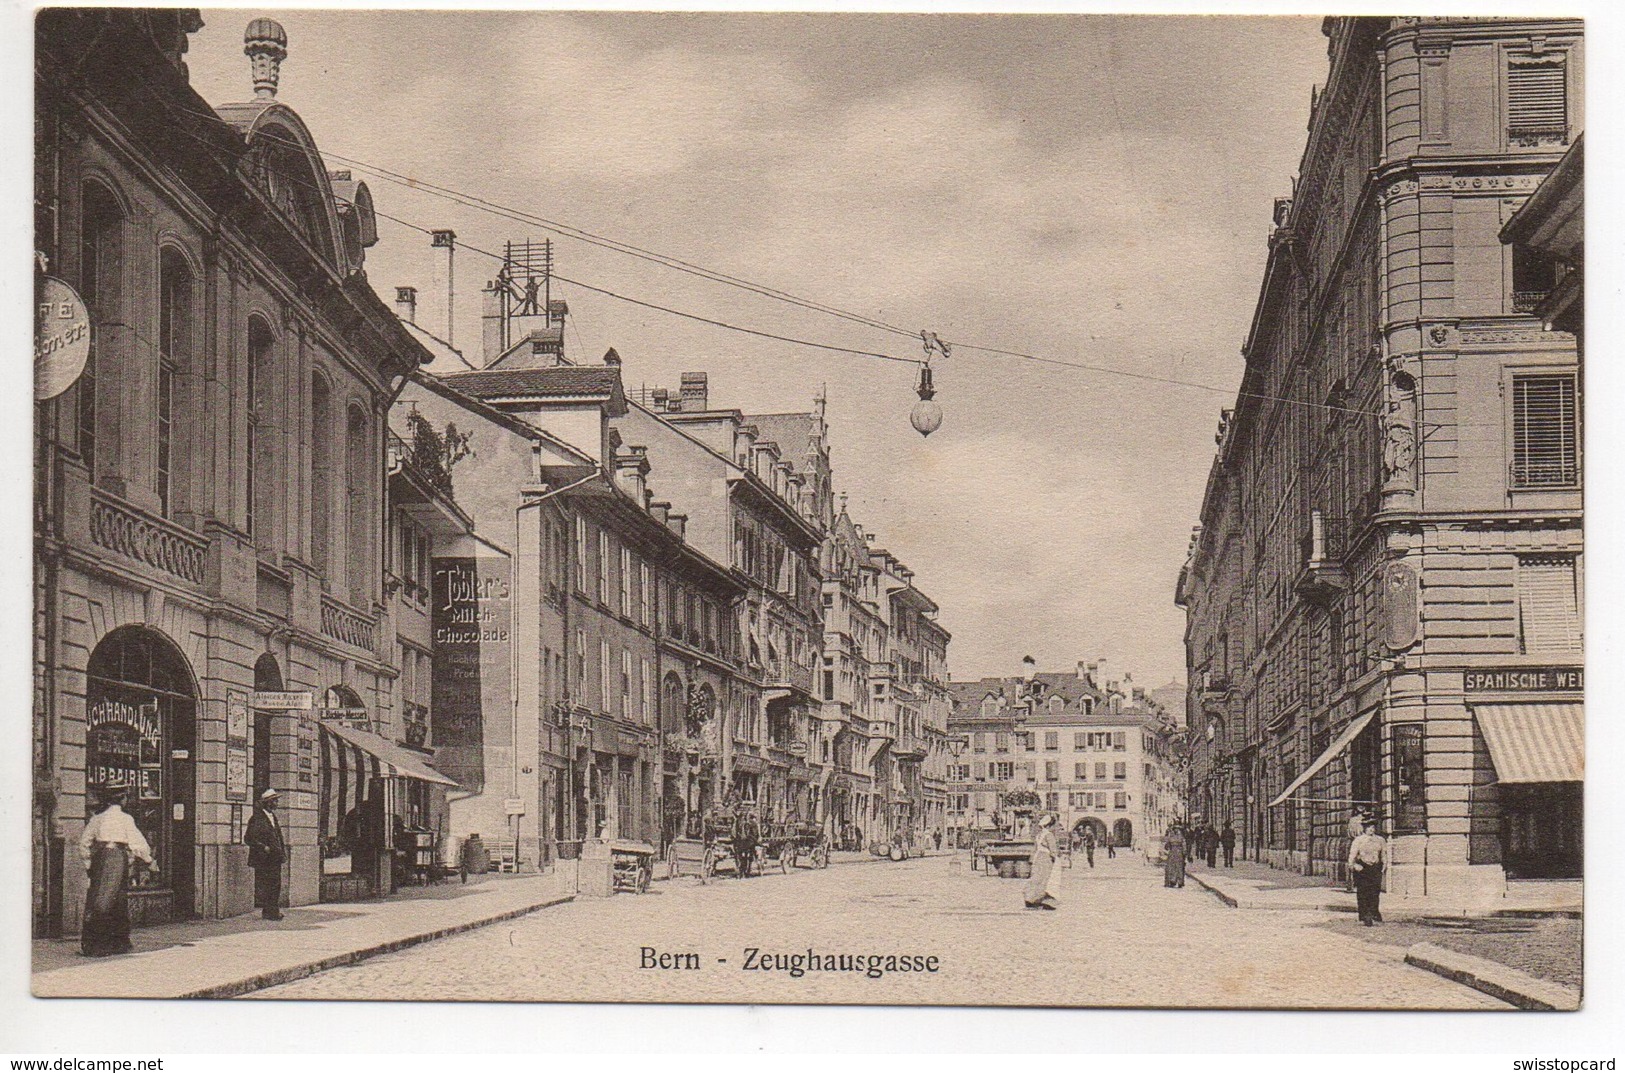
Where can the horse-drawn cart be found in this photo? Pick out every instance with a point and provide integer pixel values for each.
(797, 842)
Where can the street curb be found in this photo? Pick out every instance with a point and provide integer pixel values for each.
(1217, 893)
(1491, 977)
(238, 988)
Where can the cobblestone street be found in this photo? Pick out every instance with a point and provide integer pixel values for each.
(1119, 939)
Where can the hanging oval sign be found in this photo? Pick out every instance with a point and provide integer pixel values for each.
(1400, 606)
(61, 338)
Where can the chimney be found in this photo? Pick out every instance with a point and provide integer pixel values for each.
(631, 471)
(744, 444)
(1029, 668)
(406, 304)
(695, 393)
(659, 400)
(660, 509)
(677, 523)
(1083, 671)
(493, 327)
(612, 358)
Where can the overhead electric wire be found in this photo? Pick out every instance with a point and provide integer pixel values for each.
(518, 215)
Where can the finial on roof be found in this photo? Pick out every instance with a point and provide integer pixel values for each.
(611, 357)
(265, 43)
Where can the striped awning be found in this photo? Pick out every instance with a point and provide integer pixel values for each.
(393, 760)
(1337, 746)
(1535, 742)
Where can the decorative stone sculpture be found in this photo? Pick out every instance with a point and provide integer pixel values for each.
(265, 43)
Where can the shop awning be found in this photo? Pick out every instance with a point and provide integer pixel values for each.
(1535, 742)
(1342, 742)
(393, 760)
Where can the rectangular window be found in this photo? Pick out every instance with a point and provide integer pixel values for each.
(1120, 800)
(829, 685)
(1545, 432)
(626, 582)
(581, 666)
(1119, 741)
(1548, 605)
(1052, 800)
(1052, 771)
(603, 567)
(1119, 771)
(603, 675)
(626, 682)
(1100, 771)
(581, 554)
(646, 596)
(648, 694)
(978, 742)
(1537, 100)
(1078, 739)
(1052, 741)
(980, 769)
(1080, 771)
(1001, 742)
(1003, 770)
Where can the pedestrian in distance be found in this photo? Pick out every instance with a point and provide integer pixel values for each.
(1111, 848)
(109, 842)
(1368, 855)
(1089, 846)
(1045, 848)
(266, 851)
(1173, 862)
(1227, 839)
(1210, 845)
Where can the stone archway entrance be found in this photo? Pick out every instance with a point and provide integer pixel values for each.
(141, 729)
(1087, 824)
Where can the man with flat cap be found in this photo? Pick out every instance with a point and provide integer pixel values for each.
(266, 852)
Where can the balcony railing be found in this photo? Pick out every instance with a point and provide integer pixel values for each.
(343, 623)
(123, 528)
(1527, 301)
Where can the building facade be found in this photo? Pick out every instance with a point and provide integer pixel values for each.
(1100, 756)
(1384, 596)
(211, 490)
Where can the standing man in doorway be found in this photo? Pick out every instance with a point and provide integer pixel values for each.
(266, 852)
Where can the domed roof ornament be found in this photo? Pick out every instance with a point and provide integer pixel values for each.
(265, 43)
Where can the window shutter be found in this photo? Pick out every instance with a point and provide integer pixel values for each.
(1537, 96)
(1548, 605)
(1545, 432)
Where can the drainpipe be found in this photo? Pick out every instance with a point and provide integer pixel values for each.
(532, 499)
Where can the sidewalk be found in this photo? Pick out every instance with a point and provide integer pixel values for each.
(1256, 886)
(226, 958)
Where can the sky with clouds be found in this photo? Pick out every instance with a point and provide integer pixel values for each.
(1094, 189)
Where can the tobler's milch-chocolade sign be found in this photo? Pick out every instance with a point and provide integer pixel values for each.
(472, 622)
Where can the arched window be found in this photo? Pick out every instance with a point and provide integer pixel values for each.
(175, 328)
(261, 456)
(101, 256)
(321, 477)
(358, 501)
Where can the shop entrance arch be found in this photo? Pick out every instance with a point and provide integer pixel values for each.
(141, 729)
(1123, 834)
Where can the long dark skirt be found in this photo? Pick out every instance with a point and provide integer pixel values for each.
(1173, 868)
(1368, 892)
(106, 928)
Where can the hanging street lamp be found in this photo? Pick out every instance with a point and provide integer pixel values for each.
(926, 416)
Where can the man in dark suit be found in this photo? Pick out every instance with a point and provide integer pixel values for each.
(266, 852)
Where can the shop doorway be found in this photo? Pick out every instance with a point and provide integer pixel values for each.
(141, 729)
(267, 679)
(1542, 835)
